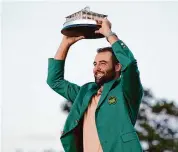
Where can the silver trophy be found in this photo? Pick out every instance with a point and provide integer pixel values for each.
(82, 23)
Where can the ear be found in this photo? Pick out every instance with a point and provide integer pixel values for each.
(118, 67)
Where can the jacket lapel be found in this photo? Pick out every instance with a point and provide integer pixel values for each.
(106, 88)
(87, 98)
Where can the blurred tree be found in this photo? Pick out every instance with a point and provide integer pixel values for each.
(156, 125)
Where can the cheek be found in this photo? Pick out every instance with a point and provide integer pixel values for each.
(94, 70)
(110, 70)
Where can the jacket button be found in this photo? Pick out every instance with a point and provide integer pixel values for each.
(76, 121)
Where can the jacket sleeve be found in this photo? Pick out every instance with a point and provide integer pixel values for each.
(55, 79)
(130, 79)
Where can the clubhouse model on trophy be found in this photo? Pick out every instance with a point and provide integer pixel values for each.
(82, 23)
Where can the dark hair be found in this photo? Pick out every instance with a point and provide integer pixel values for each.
(104, 49)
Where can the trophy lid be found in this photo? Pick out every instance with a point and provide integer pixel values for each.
(87, 10)
(82, 23)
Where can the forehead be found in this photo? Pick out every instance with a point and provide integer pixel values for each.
(106, 55)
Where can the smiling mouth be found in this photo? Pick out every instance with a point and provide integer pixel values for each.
(98, 76)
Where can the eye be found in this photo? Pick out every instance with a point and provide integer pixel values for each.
(103, 63)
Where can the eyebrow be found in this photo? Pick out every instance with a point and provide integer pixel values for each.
(100, 61)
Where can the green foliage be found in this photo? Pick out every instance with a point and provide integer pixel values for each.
(156, 125)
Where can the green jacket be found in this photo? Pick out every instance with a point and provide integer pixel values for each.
(117, 109)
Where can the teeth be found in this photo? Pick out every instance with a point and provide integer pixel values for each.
(99, 75)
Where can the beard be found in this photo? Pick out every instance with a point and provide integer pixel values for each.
(104, 77)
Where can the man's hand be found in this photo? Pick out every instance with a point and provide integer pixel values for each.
(71, 40)
(106, 29)
(105, 26)
(65, 45)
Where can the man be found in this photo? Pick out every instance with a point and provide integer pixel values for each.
(104, 112)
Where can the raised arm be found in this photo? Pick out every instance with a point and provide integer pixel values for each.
(55, 78)
(131, 84)
(132, 88)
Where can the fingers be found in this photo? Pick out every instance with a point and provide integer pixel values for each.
(100, 20)
(97, 32)
(80, 37)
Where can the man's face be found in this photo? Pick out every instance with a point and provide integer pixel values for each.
(104, 69)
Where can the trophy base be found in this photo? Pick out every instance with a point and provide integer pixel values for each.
(87, 30)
